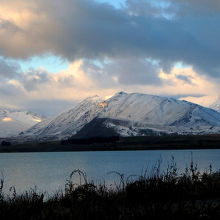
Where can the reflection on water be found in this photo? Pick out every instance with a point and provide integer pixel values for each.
(49, 171)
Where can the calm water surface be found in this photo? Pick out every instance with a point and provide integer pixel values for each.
(49, 171)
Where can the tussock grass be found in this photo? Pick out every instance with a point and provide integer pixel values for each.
(153, 195)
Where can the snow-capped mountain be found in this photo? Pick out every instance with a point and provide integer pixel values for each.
(69, 122)
(12, 122)
(206, 101)
(129, 114)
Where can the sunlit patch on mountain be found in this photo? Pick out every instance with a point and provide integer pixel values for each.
(7, 119)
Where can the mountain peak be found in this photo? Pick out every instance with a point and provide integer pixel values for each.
(120, 93)
(93, 98)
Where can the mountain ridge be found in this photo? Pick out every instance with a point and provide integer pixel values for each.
(130, 114)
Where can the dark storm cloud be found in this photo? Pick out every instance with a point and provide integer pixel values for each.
(186, 31)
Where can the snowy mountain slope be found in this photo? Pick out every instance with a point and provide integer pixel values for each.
(206, 101)
(69, 122)
(158, 110)
(12, 122)
(108, 127)
(130, 114)
(36, 129)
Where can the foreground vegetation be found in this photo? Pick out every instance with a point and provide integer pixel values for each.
(153, 195)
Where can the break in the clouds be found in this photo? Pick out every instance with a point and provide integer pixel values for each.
(158, 47)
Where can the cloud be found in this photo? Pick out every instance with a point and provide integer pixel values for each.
(50, 93)
(8, 69)
(34, 78)
(123, 71)
(187, 81)
(184, 78)
(195, 7)
(48, 107)
(8, 90)
(78, 29)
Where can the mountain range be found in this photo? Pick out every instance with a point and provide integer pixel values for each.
(12, 122)
(127, 114)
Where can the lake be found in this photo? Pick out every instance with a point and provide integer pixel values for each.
(49, 171)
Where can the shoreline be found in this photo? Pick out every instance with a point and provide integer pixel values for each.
(99, 148)
(122, 144)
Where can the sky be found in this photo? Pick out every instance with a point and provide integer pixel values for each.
(55, 53)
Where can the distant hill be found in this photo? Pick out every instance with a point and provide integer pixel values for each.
(12, 122)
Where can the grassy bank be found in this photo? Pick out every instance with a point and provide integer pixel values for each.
(153, 195)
